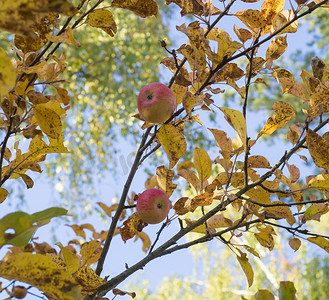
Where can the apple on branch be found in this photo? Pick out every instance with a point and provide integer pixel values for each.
(156, 103)
(153, 206)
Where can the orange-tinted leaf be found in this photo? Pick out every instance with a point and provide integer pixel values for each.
(242, 34)
(173, 143)
(108, 210)
(283, 113)
(164, 178)
(315, 211)
(191, 178)
(3, 194)
(258, 161)
(204, 199)
(179, 206)
(188, 7)
(130, 227)
(222, 141)
(145, 239)
(123, 293)
(295, 243)
(319, 149)
(102, 18)
(142, 8)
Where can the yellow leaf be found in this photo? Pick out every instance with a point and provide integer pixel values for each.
(283, 18)
(315, 211)
(237, 121)
(190, 101)
(320, 241)
(7, 74)
(276, 48)
(318, 148)
(88, 280)
(145, 239)
(201, 228)
(270, 8)
(41, 272)
(204, 199)
(48, 119)
(90, 252)
(320, 182)
(142, 8)
(179, 92)
(173, 143)
(164, 178)
(283, 113)
(65, 37)
(247, 269)
(202, 163)
(265, 239)
(254, 19)
(222, 141)
(285, 78)
(108, 210)
(102, 18)
(71, 260)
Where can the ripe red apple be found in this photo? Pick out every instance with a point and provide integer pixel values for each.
(156, 103)
(153, 206)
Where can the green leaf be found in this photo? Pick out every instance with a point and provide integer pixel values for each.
(287, 290)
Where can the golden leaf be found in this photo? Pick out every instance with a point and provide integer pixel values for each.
(237, 121)
(123, 293)
(270, 8)
(164, 178)
(283, 113)
(145, 239)
(265, 239)
(285, 78)
(320, 182)
(108, 210)
(253, 19)
(89, 281)
(202, 163)
(188, 7)
(90, 252)
(258, 161)
(102, 18)
(65, 37)
(264, 295)
(142, 8)
(276, 48)
(222, 141)
(247, 269)
(318, 148)
(283, 18)
(242, 34)
(179, 91)
(204, 199)
(190, 101)
(173, 143)
(320, 241)
(72, 261)
(7, 74)
(41, 272)
(130, 227)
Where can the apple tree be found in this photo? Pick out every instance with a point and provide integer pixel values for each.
(238, 195)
